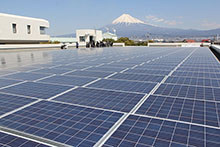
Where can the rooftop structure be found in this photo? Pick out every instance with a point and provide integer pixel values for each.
(109, 35)
(134, 96)
(19, 29)
(85, 36)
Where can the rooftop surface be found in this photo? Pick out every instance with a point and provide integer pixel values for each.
(133, 96)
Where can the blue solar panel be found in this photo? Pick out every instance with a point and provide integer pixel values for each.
(146, 131)
(87, 73)
(7, 140)
(9, 103)
(130, 86)
(38, 90)
(7, 82)
(111, 69)
(112, 100)
(194, 81)
(182, 111)
(137, 77)
(26, 76)
(194, 92)
(199, 69)
(196, 74)
(148, 71)
(52, 70)
(200, 112)
(73, 67)
(72, 125)
(68, 80)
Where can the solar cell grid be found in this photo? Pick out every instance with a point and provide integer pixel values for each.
(72, 125)
(7, 140)
(7, 82)
(184, 111)
(148, 71)
(52, 70)
(37, 90)
(106, 99)
(9, 103)
(88, 73)
(196, 74)
(193, 92)
(199, 112)
(111, 69)
(194, 81)
(144, 131)
(137, 77)
(131, 86)
(26, 76)
(159, 67)
(68, 80)
(215, 70)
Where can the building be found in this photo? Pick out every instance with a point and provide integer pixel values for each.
(109, 35)
(189, 41)
(22, 30)
(85, 36)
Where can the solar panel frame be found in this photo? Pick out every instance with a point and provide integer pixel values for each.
(36, 90)
(62, 122)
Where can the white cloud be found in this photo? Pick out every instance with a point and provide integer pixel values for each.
(155, 19)
(210, 25)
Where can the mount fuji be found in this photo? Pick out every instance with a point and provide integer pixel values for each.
(128, 26)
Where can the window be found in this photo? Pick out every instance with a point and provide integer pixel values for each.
(14, 28)
(82, 38)
(42, 30)
(29, 29)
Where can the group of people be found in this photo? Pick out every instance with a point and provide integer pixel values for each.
(93, 44)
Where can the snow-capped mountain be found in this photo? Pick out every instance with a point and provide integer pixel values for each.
(127, 19)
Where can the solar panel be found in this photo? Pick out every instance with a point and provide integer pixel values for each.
(146, 131)
(131, 86)
(200, 112)
(9, 103)
(7, 82)
(37, 90)
(194, 81)
(196, 74)
(26, 76)
(137, 77)
(106, 99)
(185, 91)
(112, 97)
(52, 70)
(88, 73)
(111, 69)
(148, 71)
(72, 125)
(7, 140)
(68, 80)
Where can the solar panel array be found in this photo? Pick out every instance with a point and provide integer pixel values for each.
(133, 96)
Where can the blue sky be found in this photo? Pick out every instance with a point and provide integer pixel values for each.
(65, 16)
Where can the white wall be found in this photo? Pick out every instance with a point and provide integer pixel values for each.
(88, 32)
(6, 31)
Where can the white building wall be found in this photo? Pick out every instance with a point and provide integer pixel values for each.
(97, 34)
(6, 30)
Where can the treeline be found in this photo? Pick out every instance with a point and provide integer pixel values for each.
(128, 42)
